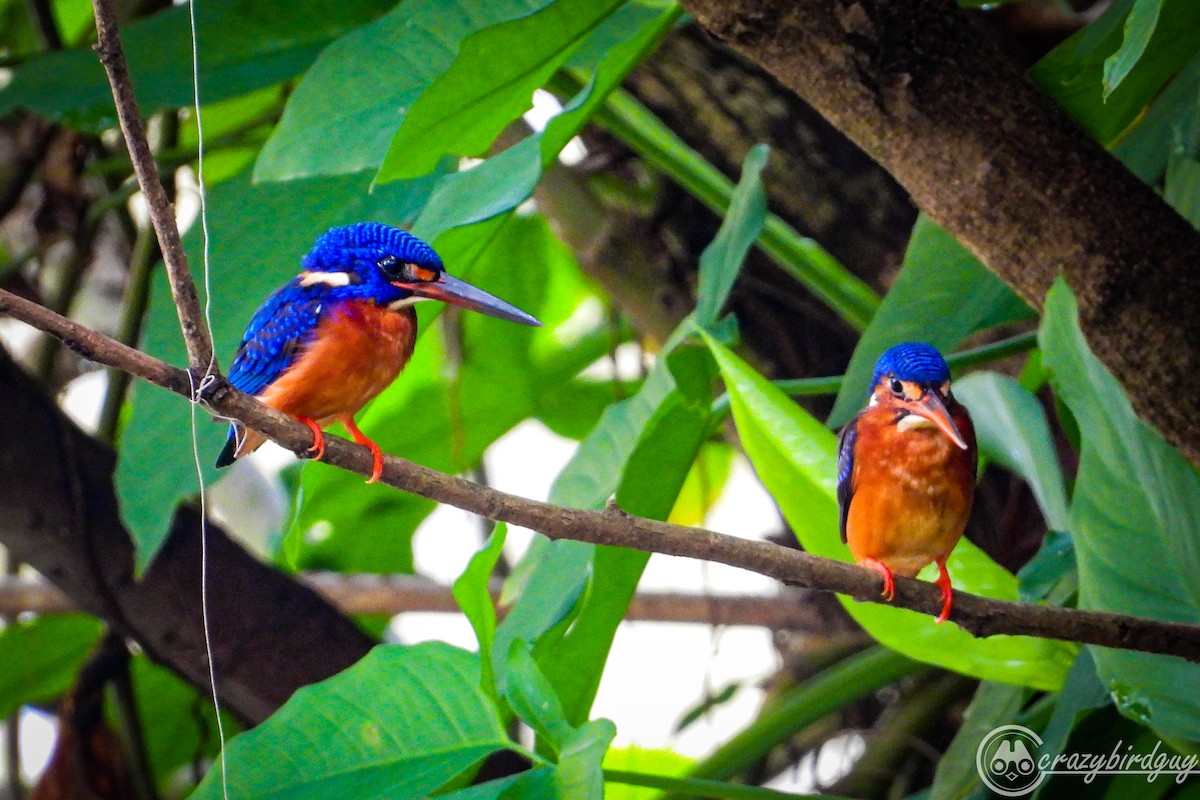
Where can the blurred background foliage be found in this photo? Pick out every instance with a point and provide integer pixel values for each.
(669, 207)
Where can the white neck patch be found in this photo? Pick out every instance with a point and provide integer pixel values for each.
(911, 422)
(313, 278)
(405, 302)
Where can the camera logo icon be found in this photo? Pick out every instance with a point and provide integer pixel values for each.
(1007, 761)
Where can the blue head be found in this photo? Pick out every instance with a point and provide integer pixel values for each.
(915, 362)
(372, 261)
(912, 380)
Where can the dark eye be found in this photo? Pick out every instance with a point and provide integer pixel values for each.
(897, 387)
(388, 264)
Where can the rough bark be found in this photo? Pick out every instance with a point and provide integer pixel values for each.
(996, 162)
(60, 516)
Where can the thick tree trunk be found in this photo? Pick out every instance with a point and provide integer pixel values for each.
(60, 516)
(996, 162)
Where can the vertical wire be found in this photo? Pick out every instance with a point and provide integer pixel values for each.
(196, 394)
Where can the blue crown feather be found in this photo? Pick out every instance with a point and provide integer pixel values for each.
(912, 361)
(376, 239)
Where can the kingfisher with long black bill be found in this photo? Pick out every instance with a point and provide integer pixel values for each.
(335, 336)
(906, 470)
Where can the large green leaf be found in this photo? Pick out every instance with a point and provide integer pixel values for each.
(490, 83)
(506, 180)
(1139, 27)
(941, 296)
(259, 234)
(722, 260)
(444, 416)
(40, 659)
(345, 111)
(1011, 427)
(241, 47)
(796, 459)
(1074, 73)
(640, 451)
(993, 705)
(399, 724)
(1135, 517)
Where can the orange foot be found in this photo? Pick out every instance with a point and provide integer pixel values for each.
(361, 438)
(889, 586)
(318, 446)
(947, 592)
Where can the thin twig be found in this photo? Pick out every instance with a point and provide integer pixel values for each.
(978, 615)
(183, 290)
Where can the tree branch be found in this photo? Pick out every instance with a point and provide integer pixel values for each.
(978, 615)
(1003, 168)
(183, 290)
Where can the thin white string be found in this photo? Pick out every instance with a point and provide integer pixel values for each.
(197, 392)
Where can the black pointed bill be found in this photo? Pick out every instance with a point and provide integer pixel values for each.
(450, 289)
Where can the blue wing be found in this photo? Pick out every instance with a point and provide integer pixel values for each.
(845, 489)
(277, 333)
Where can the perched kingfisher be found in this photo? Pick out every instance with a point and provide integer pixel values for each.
(336, 335)
(906, 470)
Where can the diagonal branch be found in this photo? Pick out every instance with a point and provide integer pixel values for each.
(979, 615)
(183, 290)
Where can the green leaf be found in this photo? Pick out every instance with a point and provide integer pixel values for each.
(1073, 73)
(1139, 27)
(532, 698)
(504, 181)
(1172, 122)
(993, 705)
(40, 659)
(1011, 427)
(722, 259)
(471, 592)
(536, 783)
(259, 234)
(444, 415)
(343, 114)
(651, 480)
(1081, 694)
(178, 725)
(941, 296)
(580, 775)
(1135, 518)
(400, 724)
(1182, 189)
(643, 760)
(241, 49)
(796, 459)
(489, 85)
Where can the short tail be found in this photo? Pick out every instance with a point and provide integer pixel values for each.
(229, 453)
(240, 442)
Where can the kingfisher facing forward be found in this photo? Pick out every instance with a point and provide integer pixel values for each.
(338, 334)
(906, 470)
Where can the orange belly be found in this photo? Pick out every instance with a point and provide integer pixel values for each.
(356, 353)
(912, 496)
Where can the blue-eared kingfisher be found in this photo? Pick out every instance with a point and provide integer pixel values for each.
(906, 470)
(335, 336)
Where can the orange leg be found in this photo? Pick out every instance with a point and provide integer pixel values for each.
(318, 446)
(889, 586)
(361, 438)
(947, 592)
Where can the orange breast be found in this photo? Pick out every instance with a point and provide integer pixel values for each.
(912, 492)
(357, 352)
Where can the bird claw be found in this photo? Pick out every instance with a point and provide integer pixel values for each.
(889, 584)
(376, 452)
(943, 582)
(318, 446)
